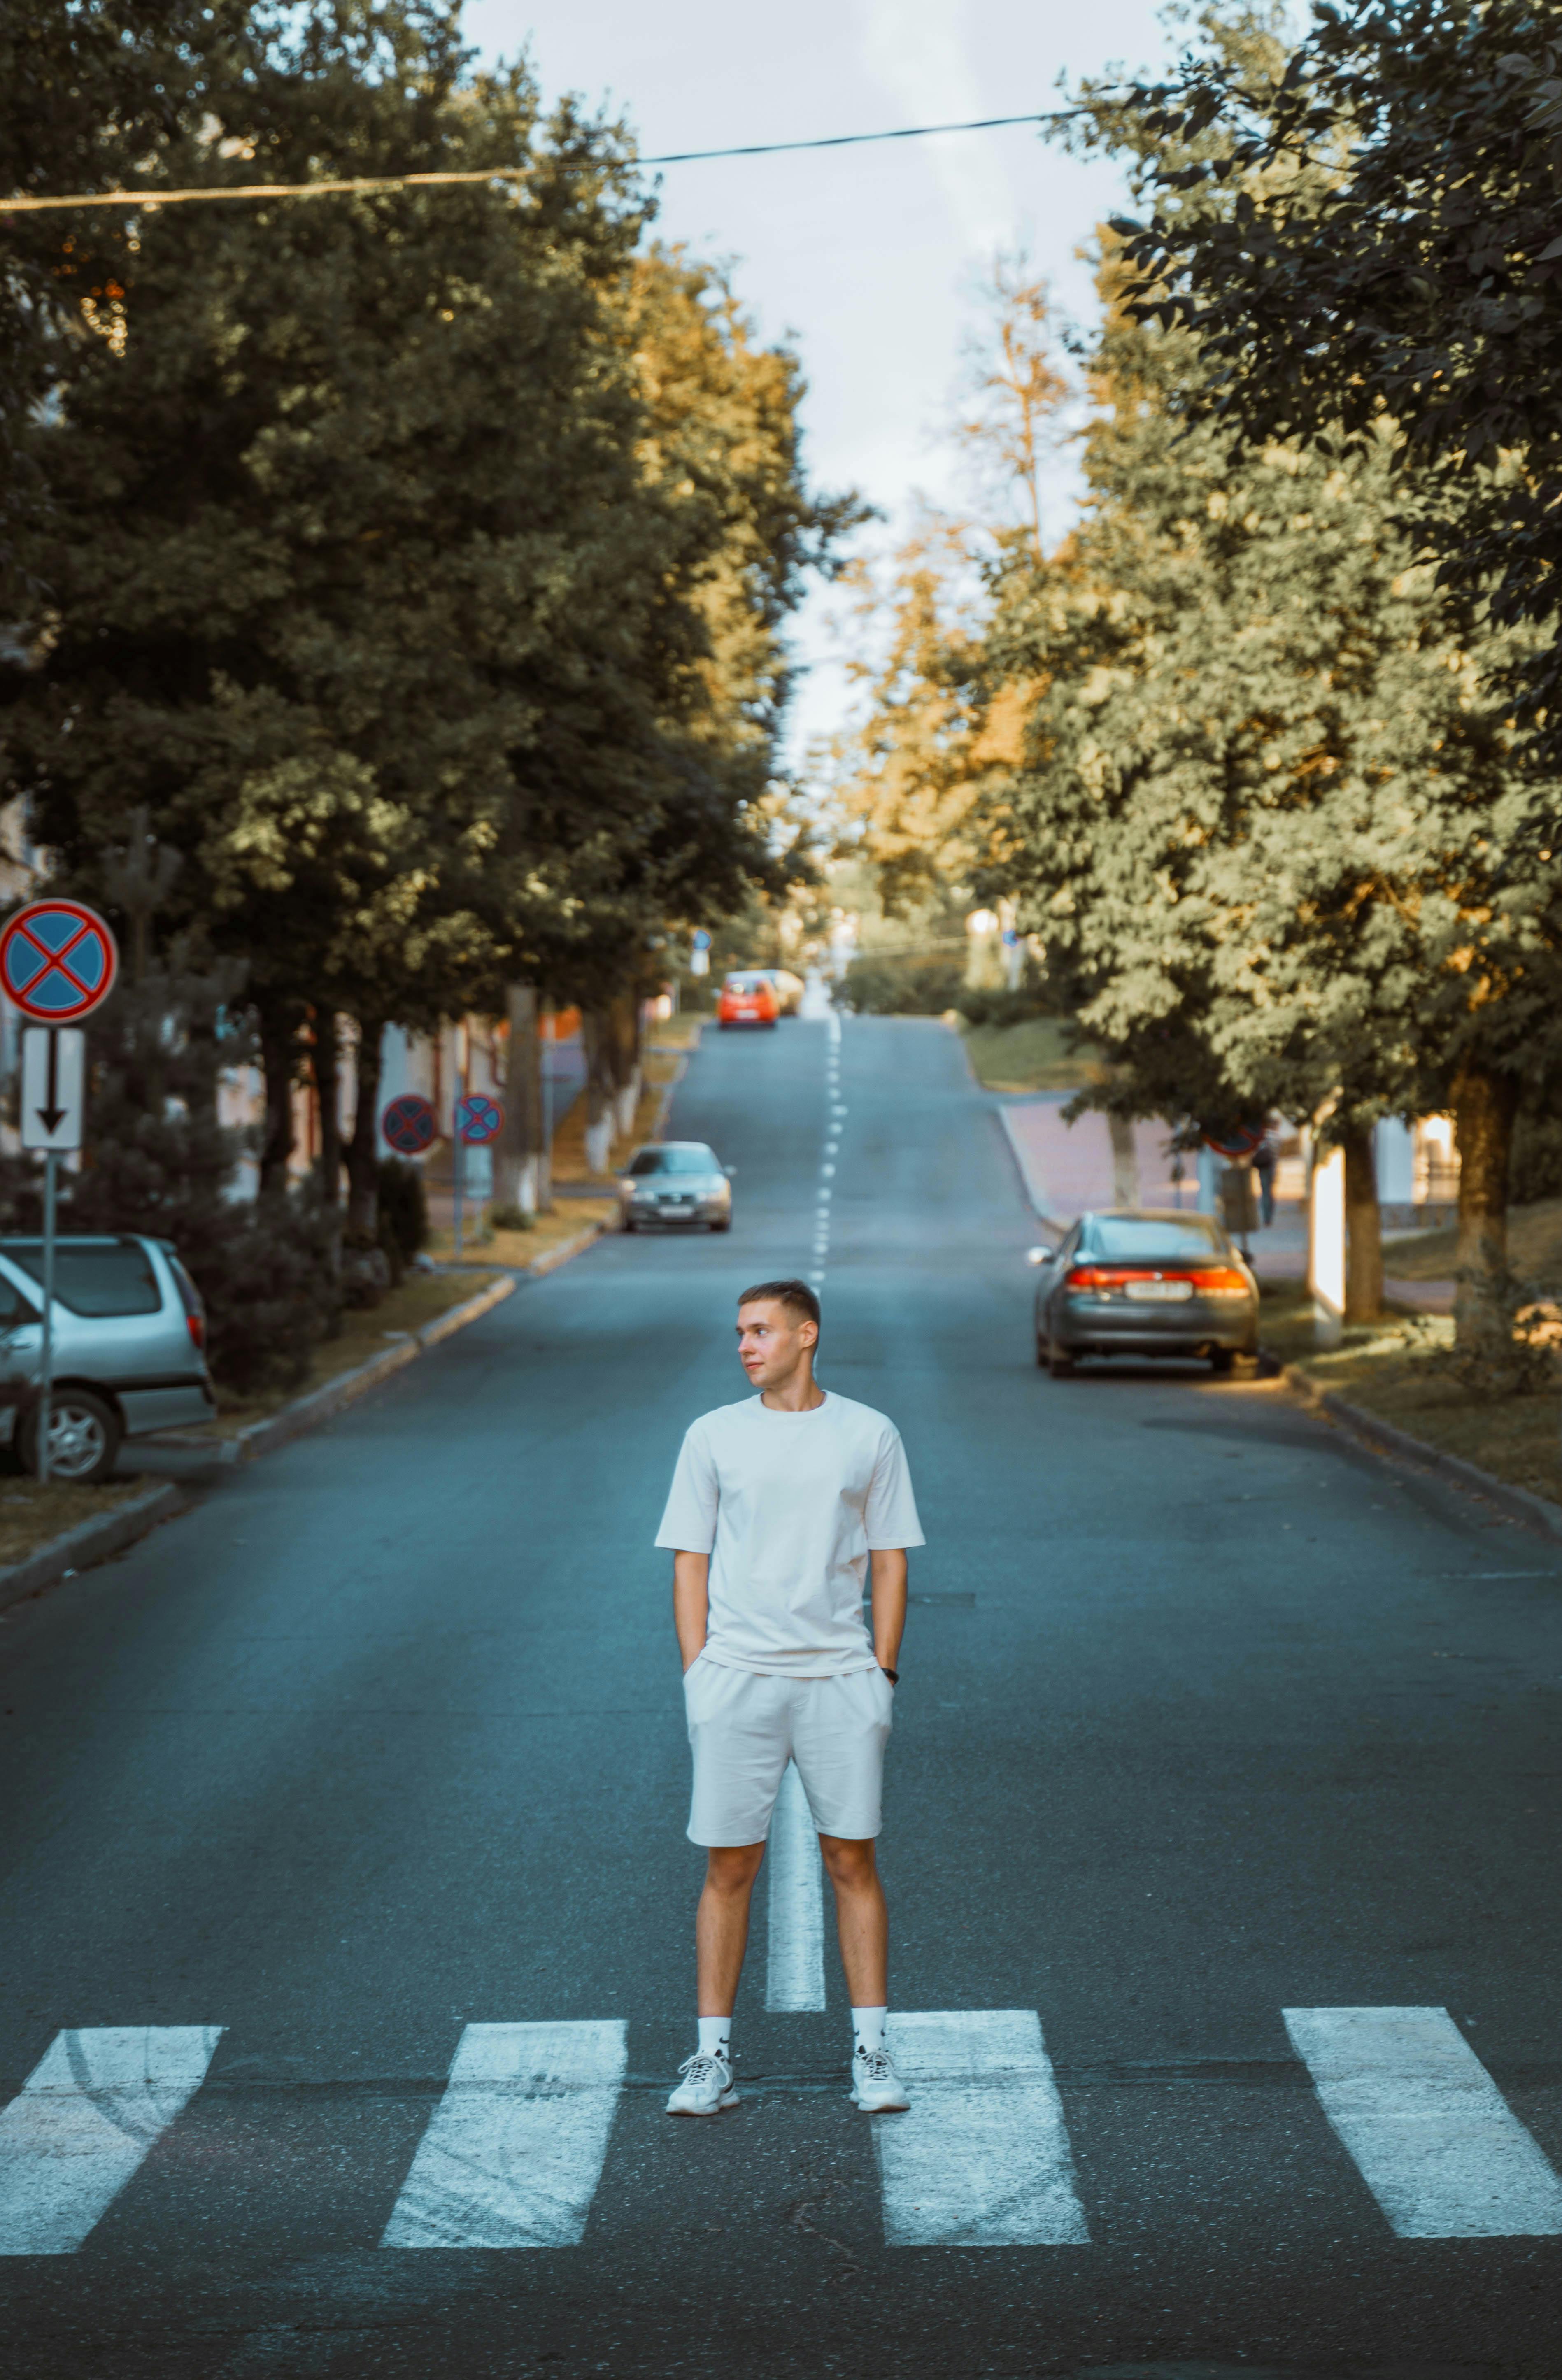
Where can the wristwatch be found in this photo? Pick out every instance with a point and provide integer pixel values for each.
(893, 1675)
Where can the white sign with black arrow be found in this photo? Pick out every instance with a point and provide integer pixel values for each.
(52, 1085)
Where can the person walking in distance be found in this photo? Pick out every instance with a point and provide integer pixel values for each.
(782, 1506)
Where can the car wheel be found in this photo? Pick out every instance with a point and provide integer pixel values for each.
(629, 1222)
(1222, 1360)
(1060, 1364)
(84, 1435)
(727, 1226)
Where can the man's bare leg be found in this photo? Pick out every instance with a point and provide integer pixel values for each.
(721, 1926)
(862, 1918)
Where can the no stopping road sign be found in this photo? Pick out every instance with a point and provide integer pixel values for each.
(58, 962)
(409, 1123)
(478, 1118)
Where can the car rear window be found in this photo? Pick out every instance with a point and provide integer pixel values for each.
(747, 983)
(673, 1160)
(93, 1278)
(1154, 1236)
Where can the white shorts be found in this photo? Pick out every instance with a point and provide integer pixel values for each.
(744, 1725)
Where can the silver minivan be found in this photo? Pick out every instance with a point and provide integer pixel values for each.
(129, 1348)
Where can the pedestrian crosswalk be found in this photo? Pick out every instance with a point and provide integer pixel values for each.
(514, 2152)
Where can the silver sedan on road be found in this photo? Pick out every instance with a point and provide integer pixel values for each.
(1144, 1281)
(676, 1182)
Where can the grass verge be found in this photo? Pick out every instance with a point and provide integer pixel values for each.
(1534, 1249)
(1034, 1056)
(422, 1298)
(31, 1516)
(1388, 1368)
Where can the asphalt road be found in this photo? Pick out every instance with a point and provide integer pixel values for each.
(1207, 1715)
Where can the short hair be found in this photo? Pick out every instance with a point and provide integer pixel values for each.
(796, 1295)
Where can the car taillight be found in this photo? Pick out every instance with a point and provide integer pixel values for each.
(196, 1325)
(1098, 1277)
(1225, 1282)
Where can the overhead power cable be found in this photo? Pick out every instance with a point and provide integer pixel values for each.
(209, 192)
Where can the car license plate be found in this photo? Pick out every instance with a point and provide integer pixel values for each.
(1160, 1293)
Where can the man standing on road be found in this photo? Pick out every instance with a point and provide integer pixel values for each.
(779, 1506)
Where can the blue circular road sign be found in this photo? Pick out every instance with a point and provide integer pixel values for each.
(409, 1123)
(478, 1118)
(58, 961)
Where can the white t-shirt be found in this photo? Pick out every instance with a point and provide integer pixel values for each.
(790, 1506)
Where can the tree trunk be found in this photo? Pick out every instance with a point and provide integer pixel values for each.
(363, 1148)
(1484, 1105)
(1124, 1162)
(596, 1037)
(518, 1158)
(626, 1059)
(325, 1058)
(1363, 1229)
(278, 1055)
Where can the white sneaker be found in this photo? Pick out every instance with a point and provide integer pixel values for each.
(707, 2090)
(876, 2088)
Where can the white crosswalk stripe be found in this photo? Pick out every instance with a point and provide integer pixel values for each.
(981, 2157)
(1435, 2141)
(794, 1953)
(514, 2151)
(83, 2122)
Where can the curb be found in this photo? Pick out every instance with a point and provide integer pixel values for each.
(96, 1541)
(1383, 1437)
(306, 1412)
(89, 1542)
(1044, 1222)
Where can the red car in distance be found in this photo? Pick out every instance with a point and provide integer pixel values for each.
(747, 999)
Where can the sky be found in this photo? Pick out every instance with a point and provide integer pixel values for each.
(863, 258)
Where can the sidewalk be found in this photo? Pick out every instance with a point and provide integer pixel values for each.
(1069, 1167)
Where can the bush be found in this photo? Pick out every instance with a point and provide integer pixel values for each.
(404, 1212)
(158, 1161)
(985, 1007)
(900, 987)
(269, 1283)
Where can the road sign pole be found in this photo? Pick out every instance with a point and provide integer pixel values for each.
(458, 1155)
(47, 1369)
(549, 1052)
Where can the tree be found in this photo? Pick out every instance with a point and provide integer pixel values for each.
(88, 95)
(913, 768)
(1374, 232)
(1270, 792)
(435, 628)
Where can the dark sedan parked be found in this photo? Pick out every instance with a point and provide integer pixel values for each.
(1151, 1282)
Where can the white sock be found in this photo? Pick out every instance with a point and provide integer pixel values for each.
(716, 2038)
(868, 2026)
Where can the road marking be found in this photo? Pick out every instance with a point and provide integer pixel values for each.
(982, 2159)
(514, 2151)
(1435, 2141)
(795, 1969)
(82, 2123)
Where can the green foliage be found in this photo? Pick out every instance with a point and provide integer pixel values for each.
(900, 987)
(1269, 798)
(403, 1210)
(417, 560)
(1002, 1008)
(160, 1162)
(1368, 228)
